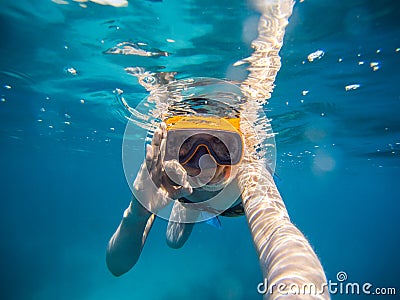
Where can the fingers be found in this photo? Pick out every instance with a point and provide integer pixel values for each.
(158, 144)
(155, 144)
(176, 172)
(175, 180)
(163, 128)
(170, 174)
(155, 151)
(149, 156)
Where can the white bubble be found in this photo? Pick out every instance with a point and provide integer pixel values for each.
(63, 2)
(72, 71)
(375, 66)
(351, 87)
(315, 55)
(115, 3)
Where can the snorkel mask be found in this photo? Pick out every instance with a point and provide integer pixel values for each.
(191, 137)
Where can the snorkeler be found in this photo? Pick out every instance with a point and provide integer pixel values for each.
(190, 159)
(194, 156)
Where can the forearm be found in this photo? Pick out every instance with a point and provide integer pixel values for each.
(285, 255)
(126, 244)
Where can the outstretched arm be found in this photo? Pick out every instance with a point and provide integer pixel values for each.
(126, 244)
(285, 255)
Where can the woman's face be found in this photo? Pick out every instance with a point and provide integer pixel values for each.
(204, 167)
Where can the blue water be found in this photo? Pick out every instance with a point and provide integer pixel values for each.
(63, 189)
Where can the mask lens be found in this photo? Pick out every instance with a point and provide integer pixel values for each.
(197, 145)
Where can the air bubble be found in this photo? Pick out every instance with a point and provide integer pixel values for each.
(351, 87)
(72, 71)
(375, 66)
(315, 55)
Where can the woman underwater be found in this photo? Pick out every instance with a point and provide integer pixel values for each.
(198, 153)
